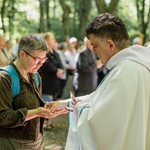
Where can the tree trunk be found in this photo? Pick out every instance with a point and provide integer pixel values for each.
(41, 28)
(47, 15)
(83, 13)
(103, 7)
(2, 15)
(113, 7)
(10, 15)
(65, 16)
(143, 17)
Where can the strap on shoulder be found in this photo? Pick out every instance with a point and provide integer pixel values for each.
(15, 83)
(36, 79)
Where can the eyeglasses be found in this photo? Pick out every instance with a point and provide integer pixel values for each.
(37, 60)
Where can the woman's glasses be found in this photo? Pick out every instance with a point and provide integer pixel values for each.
(37, 60)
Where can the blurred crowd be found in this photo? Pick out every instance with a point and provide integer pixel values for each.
(71, 65)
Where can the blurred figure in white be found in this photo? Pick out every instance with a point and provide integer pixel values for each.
(137, 41)
(81, 46)
(15, 48)
(73, 42)
(62, 47)
(3, 56)
(69, 83)
(147, 44)
(8, 50)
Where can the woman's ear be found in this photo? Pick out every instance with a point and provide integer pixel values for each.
(21, 54)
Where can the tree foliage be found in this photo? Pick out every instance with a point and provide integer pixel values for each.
(65, 16)
(143, 15)
(69, 17)
(104, 6)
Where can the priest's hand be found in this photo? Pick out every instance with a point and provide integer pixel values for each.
(75, 101)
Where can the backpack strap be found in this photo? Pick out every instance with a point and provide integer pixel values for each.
(15, 83)
(36, 77)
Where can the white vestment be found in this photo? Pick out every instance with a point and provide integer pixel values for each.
(117, 115)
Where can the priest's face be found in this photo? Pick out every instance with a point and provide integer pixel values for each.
(103, 48)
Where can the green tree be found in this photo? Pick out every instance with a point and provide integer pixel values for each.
(8, 11)
(70, 17)
(47, 15)
(83, 13)
(143, 15)
(41, 27)
(65, 16)
(103, 6)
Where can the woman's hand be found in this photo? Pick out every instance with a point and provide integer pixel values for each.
(39, 112)
(57, 107)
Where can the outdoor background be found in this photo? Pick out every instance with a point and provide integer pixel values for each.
(56, 136)
(67, 18)
(70, 17)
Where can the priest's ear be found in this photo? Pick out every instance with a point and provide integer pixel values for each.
(111, 46)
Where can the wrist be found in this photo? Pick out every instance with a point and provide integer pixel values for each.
(63, 103)
(37, 112)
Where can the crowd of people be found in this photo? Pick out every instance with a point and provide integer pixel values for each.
(116, 116)
(71, 65)
(80, 67)
(68, 63)
(8, 51)
(22, 117)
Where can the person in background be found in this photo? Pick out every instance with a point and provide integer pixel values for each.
(80, 48)
(51, 70)
(69, 82)
(73, 41)
(15, 48)
(63, 78)
(86, 73)
(8, 50)
(147, 44)
(3, 55)
(21, 121)
(102, 72)
(137, 41)
(67, 38)
(116, 116)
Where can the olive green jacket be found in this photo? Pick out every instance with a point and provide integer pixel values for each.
(12, 121)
